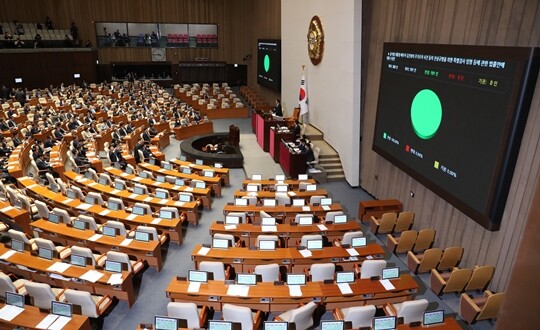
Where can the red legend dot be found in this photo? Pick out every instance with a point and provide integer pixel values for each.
(407, 148)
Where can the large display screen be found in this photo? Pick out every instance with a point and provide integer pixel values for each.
(453, 117)
(269, 64)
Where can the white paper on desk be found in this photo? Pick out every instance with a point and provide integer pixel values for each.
(59, 267)
(60, 323)
(133, 196)
(91, 184)
(126, 242)
(369, 257)
(9, 312)
(7, 254)
(305, 253)
(95, 237)
(67, 200)
(104, 212)
(230, 227)
(176, 187)
(115, 279)
(203, 251)
(6, 209)
(124, 174)
(295, 291)
(11, 167)
(108, 168)
(306, 208)
(387, 284)
(47, 321)
(32, 186)
(238, 290)
(322, 227)
(194, 287)
(84, 206)
(191, 165)
(148, 199)
(131, 216)
(161, 170)
(156, 221)
(269, 228)
(115, 191)
(91, 276)
(345, 288)
(137, 178)
(291, 193)
(188, 189)
(180, 204)
(163, 201)
(352, 252)
(326, 207)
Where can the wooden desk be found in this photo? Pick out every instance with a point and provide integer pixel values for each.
(376, 208)
(32, 316)
(161, 140)
(288, 212)
(450, 323)
(149, 251)
(37, 269)
(287, 232)
(244, 259)
(267, 183)
(292, 164)
(101, 138)
(275, 141)
(132, 139)
(222, 172)
(20, 158)
(268, 297)
(173, 226)
(182, 133)
(306, 195)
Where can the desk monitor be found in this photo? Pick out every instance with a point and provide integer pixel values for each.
(232, 220)
(166, 323)
(161, 194)
(45, 253)
(296, 279)
(119, 186)
(117, 165)
(142, 236)
(167, 166)
(143, 175)
(358, 242)
(270, 221)
(114, 266)
(275, 325)
(280, 177)
(256, 177)
(314, 244)
(90, 200)
(139, 191)
(326, 201)
(384, 323)
(433, 317)
(88, 175)
(224, 325)
(55, 188)
(200, 184)
(333, 325)
(17, 204)
(198, 276)
(342, 218)
(112, 205)
(390, 273)
(298, 202)
(269, 202)
(183, 158)
(70, 193)
(267, 245)
(305, 220)
(164, 214)
(199, 162)
(208, 174)
(54, 218)
(302, 177)
(220, 243)
(18, 80)
(184, 197)
(14, 299)
(282, 188)
(103, 181)
(17, 245)
(138, 210)
(180, 182)
(246, 279)
(252, 188)
(240, 201)
(152, 161)
(109, 231)
(218, 165)
(129, 170)
(61, 309)
(79, 224)
(160, 178)
(311, 187)
(345, 277)
(78, 260)
(186, 170)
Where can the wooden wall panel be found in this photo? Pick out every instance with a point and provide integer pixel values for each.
(480, 22)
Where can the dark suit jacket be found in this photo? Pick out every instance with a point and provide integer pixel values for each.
(278, 111)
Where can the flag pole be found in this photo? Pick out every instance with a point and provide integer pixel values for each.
(300, 117)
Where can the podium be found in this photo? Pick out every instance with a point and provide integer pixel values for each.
(275, 140)
(292, 164)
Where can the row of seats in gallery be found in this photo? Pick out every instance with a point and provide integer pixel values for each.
(392, 222)
(411, 240)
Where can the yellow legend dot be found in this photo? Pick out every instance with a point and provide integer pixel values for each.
(436, 165)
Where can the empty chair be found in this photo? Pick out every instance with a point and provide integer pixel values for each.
(153, 234)
(120, 183)
(480, 278)
(321, 272)
(117, 201)
(348, 236)
(424, 262)
(50, 179)
(9, 284)
(482, 308)
(91, 222)
(252, 200)
(383, 225)
(22, 237)
(371, 268)
(410, 311)
(86, 252)
(269, 273)
(91, 305)
(217, 268)
(61, 251)
(242, 315)
(12, 195)
(93, 174)
(315, 199)
(303, 185)
(306, 238)
(451, 258)
(119, 226)
(97, 197)
(425, 240)
(42, 294)
(302, 316)
(43, 210)
(331, 215)
(359, 316)
(404, 221)
(268, 238)
(78, 192)
(27, 205)
(196, 317)
(104, 178)
(282, 199)
(403, 243)
(133, 266)
(63, 214)
(450, 282)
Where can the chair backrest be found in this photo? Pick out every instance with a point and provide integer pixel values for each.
(121, 183)
(50, 178)
(18, 235)
(78, 192)
(269, 273)
(144, 206)
(25, 202)
(480, 278)
(331, 215)
(264, 214)
(142, 187)
(305, 238)
(412, 310)
(302, 316)
(97, 197)
(321, 272)
(152, 231)
(120, 257)
(282, 199)
(44, 243)
(105, 177)
(94, 174)
(359, 316)
(117, 201)
(458, 279)
(92, 225)
(387, 222)
(228, 237)
(163, 192)
(186, 311)
(406, 241)
(173, 210)
(372, 268)
(120, 227)
(41, 294)
(12, 195)
(424, 240)
(404, 221)
(268, 238)
(491, 308)
(315, 199)
(238, 314)
(6, 285)
(430, 259)
(252, 200)
(83, 251)
(83, 299)
(348, 236)
(217, 268)
(241, 215)
(451, 258)
(43, 211)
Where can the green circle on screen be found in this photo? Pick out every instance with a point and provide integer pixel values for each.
(266, 62)
(426, 114)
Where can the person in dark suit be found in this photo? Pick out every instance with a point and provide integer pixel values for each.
(277, 109)
(296, 129)
(146, 136)
(20, 96)
(116, 157)
(3, 125)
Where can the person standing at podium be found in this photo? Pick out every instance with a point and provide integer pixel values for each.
(277, 109)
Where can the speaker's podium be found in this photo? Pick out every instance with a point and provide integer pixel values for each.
(292, 163)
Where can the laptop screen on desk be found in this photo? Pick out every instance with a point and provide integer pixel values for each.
(200, 184)
(17, 245)
(267, 245)
(161, 194)
(220, 325)
(119, 186)
(166, 166)
(108, 231)
(252, 188)
(256, 177)
(54, 218)
(179, 182)
(139, 191)
(311, 187)
(186, 170)
(90, 200)
(160, 178)
(184, 198)
(269, 202)
(218, 165)
(302, 177)
(280, 177)
(270, 221)
(240, 202)
(232, 220)
(345, 277)
(15, 299)
(326, 201)
(384, 323)
(433, 317)
(142, 236)
(78, 260)
(332, 325)
(113, 205)
(138, 210)
(208, 174)
(390, 273)
(282, 188)
(246, 279)
(199, 162)
(165, 323)
(342, 218)
(113, 266)
(129, 170)
(164, 214)
(220, 243)
(305, 220)
(103, 181)
(183, 158)
(79, 224)
(298, 202)
(45, 253)
(197, 276)
(71, 194)
(296, 279)
(143, 175)
(358, 241)
(314, 244)
(61, 309)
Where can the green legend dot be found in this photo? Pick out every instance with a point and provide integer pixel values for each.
(426, 114)
(266, 62)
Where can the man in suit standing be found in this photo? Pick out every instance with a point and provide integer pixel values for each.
(116, 157)
(277, 109)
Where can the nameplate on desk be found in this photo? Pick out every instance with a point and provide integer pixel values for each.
(203, 251)
(352, 252)
(322, 227)
(156, 221)
(305, 253)
(194, 287)
(84, 206)
(137, 178)
(344, 288)
(148, 199)
(291, 193)
(7, 254)
(91, 184)
(59, 267)
(188, 189)
(179, 203)
(132, 196)
(104, 212)
(230, 227)
(124, 174)
(95, 237)
(67, 200)
(326, 207)
(131, 216)
(163, 201)
(115, 191)
(306, 208)
(126, 242)
(91, 276)
(237, 261)
(295, 291)
(32, 186)
(387, 285)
